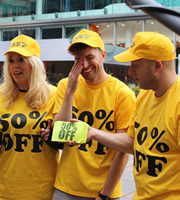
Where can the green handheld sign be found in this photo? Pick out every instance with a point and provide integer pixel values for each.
(64, 131)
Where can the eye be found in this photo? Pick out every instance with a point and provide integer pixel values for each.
(90, 57)
(21, 59)
(76, 59)
(11, 60)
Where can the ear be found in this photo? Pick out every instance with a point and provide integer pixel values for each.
(103, 55)
(158, 65)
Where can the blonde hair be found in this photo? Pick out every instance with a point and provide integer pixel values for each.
(39, 89)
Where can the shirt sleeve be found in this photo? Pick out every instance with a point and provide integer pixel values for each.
(124, 109)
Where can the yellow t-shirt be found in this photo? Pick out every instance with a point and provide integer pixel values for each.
(83, 169)
(155, 127)
(27, 164)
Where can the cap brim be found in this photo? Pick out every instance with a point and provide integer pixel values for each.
(22, 52)
(126, 56)
(86, 42)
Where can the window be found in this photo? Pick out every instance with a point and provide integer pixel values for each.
(29, 32)
(18, 8)
(51, 32)
(9, 34)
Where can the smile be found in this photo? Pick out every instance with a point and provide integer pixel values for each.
(86, 71)
(17, 73)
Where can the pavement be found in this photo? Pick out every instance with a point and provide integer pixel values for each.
(128, 185)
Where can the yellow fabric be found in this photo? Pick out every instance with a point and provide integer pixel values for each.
(148, 45)
(27, 164)
(24, 45)
(89, 38)
(83, 170)
(157, 145)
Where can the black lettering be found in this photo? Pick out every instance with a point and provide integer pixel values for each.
(0, 139)
(67, 134)
(37, 142)
(4, 123)
(74, 109)
(100, 149)
(110, 125)
(43, 124)
(87, 117)
(34, 115)
(83, 146)
(7, 142)
(18, 121)
(152, 166)
(136, 125)
(68, 126)
(139, 157)
(61, 134)
(20, 142)
(72, 135)
(162, 147)
(142, 135)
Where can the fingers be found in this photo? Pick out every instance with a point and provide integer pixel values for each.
(46, 137)
(49, 124)
(74, 77)
(75, 120)
(72, 143)
(77, 68)
(46, 132)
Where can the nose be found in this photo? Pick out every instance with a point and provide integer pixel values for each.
(85, 63)
(15, 64)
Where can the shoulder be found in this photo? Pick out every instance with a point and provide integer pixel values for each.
(120, 86)
(53, 87)
(116, 81)
(63, 81)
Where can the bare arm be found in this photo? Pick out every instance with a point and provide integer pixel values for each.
(115, 172)
(65, 113)
(119, 141)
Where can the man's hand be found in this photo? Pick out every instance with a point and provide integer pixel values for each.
(74, 76)
(46, 132)
(91, 131)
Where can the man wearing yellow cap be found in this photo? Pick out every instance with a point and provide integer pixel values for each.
(91, 171)
(154, 131)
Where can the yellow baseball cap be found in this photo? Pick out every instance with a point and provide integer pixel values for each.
(25, 46)
(148, 45)
(88, 37)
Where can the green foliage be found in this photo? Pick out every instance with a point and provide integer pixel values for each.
(136, 89)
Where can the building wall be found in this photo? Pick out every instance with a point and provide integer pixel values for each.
(112, 19)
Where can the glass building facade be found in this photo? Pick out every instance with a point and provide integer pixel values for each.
(58, 19)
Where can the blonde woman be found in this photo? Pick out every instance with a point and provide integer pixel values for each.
(27, 164)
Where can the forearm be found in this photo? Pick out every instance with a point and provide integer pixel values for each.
(115, 172)
(65, 113)
(118, 141)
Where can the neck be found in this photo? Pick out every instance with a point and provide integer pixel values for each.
(165, 85)
(97, 80)
(22, 90)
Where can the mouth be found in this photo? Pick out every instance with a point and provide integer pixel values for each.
(17, 73)
(87, 70)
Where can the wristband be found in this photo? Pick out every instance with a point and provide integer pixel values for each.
(104, 197)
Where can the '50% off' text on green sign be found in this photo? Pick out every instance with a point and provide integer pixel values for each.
(64, 131)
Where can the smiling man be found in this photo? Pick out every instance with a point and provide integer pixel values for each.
(153, 136)
(91, 171)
